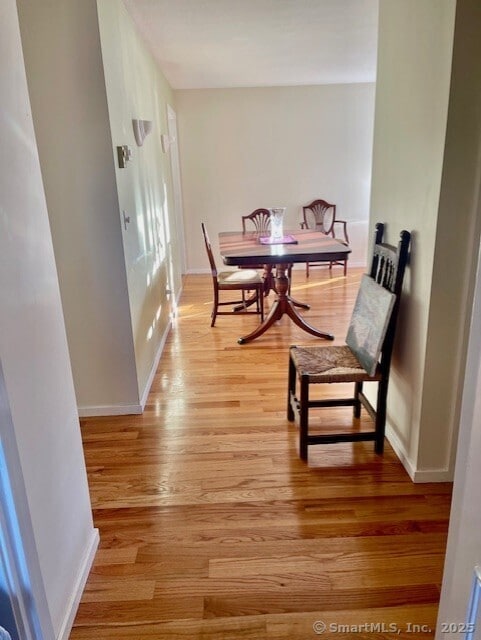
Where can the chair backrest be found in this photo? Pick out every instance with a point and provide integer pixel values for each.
(260, 218)
(388, 262)
(319, 215)
(387, 269)
(210, 254)
(369, 322)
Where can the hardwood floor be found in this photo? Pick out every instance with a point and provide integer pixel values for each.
(212, 528)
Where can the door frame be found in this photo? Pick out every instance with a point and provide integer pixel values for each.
(176, 185)
(19, 557)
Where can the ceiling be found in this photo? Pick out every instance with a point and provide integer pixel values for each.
(252, 43)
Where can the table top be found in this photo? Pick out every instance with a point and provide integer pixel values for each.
(238, 248)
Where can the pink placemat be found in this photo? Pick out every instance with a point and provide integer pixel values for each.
(283, 240)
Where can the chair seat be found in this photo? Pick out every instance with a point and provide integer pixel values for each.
(241, 276)
(330, 364)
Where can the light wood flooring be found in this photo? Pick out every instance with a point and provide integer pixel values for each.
(212, 528)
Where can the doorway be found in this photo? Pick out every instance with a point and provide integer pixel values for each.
(22, 595)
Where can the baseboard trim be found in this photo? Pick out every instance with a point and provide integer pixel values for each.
(399, 450)
(83, 574)
(131, 409)
(150, 379)
(417, 475)
(433, 475)
(110, 410)
(296, 267)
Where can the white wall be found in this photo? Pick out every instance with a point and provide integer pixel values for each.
(464, 167)
(412, 93)
(34, 354)
(137, 89)
(464, 541)
(65, 75)
(458, 233)
(113, 280)
(242, 149)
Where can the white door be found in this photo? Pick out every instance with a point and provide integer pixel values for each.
(177, 186)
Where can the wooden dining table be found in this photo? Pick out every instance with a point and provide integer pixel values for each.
(244, 249)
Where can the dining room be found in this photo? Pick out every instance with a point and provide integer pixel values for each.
(115, 231)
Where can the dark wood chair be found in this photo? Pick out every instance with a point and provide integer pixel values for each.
(244, 281)
(366, 356)
(260, 220)
(321, 216)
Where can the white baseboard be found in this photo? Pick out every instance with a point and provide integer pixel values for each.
(416, 475)
(296, 267)
(158, 355)
(399, 450)
(131, 409)
(79, 586)
(109, 410)
(433, 475)
(150, 379)
(179, 295)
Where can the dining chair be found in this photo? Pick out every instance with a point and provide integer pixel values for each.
(239, 280)
(260, 222)
(260, 219)
(366, 356)
(320, 215)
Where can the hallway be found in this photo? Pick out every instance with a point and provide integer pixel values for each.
(211, 526)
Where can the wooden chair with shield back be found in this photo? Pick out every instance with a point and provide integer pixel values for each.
(320, 215)
(259, 221)
(235, 280)
(366, 356)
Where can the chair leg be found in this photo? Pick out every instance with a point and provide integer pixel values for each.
(357, 405)
(291, 388)
(215, 307)
(260, 301)
(345, 267)
(381, 416)
(303, 417)
(307, 269)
